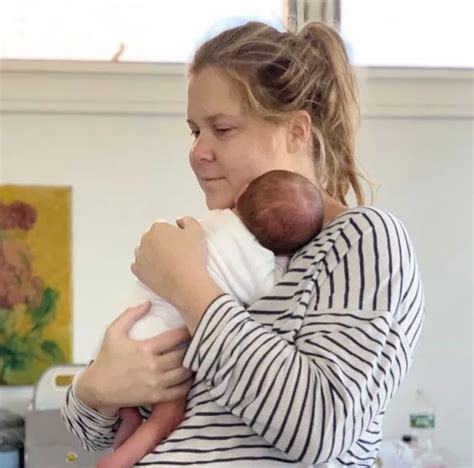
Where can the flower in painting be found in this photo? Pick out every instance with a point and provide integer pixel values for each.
(27, 306)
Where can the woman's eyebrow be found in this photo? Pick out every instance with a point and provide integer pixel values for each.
(212, 118)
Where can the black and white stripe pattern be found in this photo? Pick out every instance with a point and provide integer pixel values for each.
(303, 376)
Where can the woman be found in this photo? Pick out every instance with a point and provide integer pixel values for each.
(303, 376)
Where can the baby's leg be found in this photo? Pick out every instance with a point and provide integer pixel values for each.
(131, 421)
(164, 418)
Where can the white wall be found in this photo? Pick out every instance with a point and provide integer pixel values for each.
(425, 168)
(121, 142)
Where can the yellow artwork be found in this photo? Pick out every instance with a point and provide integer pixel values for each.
(35, 281)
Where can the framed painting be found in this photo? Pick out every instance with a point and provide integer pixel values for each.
(35, 281)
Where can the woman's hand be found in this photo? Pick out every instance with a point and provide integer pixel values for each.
(171, 261)
(169, 258)
(133, 373)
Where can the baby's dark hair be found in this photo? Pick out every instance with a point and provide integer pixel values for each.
(282, 209)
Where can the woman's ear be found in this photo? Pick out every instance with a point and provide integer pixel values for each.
(299, 131)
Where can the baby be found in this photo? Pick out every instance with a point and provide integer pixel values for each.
(248, 252)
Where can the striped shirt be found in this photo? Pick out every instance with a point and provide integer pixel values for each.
(303, 376)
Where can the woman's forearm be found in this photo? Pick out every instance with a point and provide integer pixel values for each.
(95, 431)
(193, 303)
(88, 393)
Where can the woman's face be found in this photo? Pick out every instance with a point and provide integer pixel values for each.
(230, 147)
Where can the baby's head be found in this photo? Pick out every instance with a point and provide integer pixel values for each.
(283, 210)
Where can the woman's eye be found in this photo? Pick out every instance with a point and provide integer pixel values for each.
(222, 130)
(195, 133)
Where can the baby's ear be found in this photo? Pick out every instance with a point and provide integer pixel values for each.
(241, 191)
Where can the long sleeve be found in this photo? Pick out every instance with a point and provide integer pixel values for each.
(94, 431)
(311, 370)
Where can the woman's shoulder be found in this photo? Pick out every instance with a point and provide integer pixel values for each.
(367, 227)
(372, 216)
(364, 221)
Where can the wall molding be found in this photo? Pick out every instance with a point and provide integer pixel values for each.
(160, 89)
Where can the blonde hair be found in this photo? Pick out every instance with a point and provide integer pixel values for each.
(279, 73)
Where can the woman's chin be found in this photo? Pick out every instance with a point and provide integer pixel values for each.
(219, 203)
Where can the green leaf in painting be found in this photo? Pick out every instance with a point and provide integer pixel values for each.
(34, 335)
(6, 361)
(18, 346)
(52, 349)
(5, 354)
(44, 313)
(3, 318)
(27, 375)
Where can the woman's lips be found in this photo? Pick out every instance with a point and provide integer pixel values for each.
(211, 179)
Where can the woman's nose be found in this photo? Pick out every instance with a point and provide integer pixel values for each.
(201, 150)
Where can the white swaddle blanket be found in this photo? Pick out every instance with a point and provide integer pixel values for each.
(236, 262)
